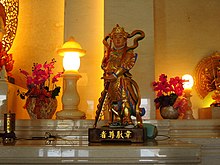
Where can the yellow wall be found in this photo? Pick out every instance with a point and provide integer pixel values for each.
(40, 32)
(185, 32)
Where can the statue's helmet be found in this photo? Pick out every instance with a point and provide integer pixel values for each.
(118, 30)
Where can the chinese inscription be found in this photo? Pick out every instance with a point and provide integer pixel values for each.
(116, 134)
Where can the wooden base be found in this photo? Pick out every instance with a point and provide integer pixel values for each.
(106, 134)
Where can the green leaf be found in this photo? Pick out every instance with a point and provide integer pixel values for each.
(55, 92)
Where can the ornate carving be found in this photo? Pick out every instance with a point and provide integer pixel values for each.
(207, 75)
(11, 9)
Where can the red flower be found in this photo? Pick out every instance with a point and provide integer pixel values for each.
(165, 87)
(39, 83)
(169, 92)
(55, 78)
(6, 60)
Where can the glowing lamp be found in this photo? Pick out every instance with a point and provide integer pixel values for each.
(187, 85)
(71, 61)
(71, 52)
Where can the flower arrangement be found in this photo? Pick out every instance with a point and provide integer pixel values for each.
(40, 83)
(6, 60)
(170, 93)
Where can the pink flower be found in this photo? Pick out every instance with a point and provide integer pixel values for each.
(55, 78)
(6, 60)
(40, 83)
(29, 80)
(167, 91)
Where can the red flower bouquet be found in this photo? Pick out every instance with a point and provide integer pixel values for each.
(170, 93)
(40, 84)
(41, 100)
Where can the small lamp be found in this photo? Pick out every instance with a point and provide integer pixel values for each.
(71, 52)
(187, 85)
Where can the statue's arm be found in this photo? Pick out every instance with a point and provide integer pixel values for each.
(127, 63)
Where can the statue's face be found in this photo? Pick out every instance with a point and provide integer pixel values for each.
(118, 40)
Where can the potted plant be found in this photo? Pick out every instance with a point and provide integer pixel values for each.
(169, 96)
(41, 102)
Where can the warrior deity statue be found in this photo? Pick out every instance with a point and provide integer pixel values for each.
(121, 96)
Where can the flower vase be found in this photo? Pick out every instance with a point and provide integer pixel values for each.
(41, 108)
(169, 112)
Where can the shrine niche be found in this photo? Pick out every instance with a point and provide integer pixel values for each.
(11, 22)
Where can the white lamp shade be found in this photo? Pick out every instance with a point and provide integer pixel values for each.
(71, 61)
(189, 81)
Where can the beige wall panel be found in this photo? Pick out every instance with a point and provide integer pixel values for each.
(133, 15)
(84, 21)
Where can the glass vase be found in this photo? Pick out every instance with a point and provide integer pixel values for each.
(169, 112)
(41, 108)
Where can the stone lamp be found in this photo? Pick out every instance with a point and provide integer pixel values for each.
(71, 52)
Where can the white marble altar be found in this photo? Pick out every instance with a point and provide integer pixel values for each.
(178, 142)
